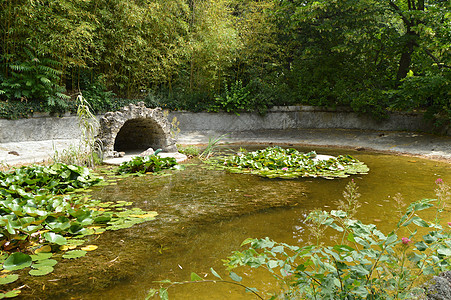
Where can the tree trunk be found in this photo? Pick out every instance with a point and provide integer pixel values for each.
(406, 58)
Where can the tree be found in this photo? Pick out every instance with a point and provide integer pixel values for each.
(421, 20)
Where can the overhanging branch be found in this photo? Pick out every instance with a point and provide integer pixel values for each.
(434, 58)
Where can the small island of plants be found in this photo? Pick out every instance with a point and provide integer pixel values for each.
(277, 162)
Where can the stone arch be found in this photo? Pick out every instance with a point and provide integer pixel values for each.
(135, 128)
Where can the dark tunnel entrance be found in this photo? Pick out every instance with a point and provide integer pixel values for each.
(137, 135)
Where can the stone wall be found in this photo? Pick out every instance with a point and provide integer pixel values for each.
(291, 117)
(135, 127)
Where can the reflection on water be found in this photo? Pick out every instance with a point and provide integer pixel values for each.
(204, 215)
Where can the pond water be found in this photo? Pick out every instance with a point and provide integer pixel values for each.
(204, 215)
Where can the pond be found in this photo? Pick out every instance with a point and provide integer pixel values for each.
(205, 214)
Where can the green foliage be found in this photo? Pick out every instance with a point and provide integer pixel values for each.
(276, 162)
(99, 98)
(367, 265)
(213, 143)
(196, 279)
(353, 53)
(15, 109)
(89, 152)
(42, 213)
(17, 261)
(150, 163)
(35, 78)
(190, 150)
(430, 92)
(88, 124)
(54, 179)
(234, 99)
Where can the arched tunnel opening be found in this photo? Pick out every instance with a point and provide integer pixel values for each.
(138, 135)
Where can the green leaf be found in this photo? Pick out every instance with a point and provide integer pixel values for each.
(361, 291)
(74, 254)
(247, 241)
(151, 293)
(421, 205)
(251, 290)
(41, 256)
(55, 238)
(359, 270)
(17, 261)
(214, 273)
(421, 246)
(235, 277)
(419, 222)
(195, 277)
(43, 270)
(391, 238)
(164, 294)
(10, 294)
(272, 264)
(44, 263)
(343, 248)
(445, 251)
(336, 227)
(8, 278)
(429, 239)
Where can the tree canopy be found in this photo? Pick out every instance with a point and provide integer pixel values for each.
(371, 55)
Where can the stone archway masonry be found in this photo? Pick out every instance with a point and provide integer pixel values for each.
(135, 127)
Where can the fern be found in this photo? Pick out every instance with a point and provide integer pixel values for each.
(35, 78)
(20, 68)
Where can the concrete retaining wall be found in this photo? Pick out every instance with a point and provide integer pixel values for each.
(291, 117)
(39, 129)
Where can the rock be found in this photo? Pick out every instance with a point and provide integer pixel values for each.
(439, 287)
(148, 152)
(117, 154)
(13, 153)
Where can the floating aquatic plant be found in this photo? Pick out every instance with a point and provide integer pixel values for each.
(277, 162)
(42, 217)
(146, 164)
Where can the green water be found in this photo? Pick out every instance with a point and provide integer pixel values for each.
(204, 215)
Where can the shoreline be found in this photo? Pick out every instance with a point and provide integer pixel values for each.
(413, 144)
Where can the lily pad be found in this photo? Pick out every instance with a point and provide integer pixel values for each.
(44, 270)
(17, 261)
(10, 294)
(74, 254)
(41, 256)
(43, 249)
(89, 248)
(8, 278)
(276, 162)
(44, 263)
(55, 238)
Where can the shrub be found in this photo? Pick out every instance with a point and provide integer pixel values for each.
(234, 99)
(366, 264)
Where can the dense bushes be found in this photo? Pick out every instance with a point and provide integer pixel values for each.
(227, 55)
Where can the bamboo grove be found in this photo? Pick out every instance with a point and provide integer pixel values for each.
(371, 55)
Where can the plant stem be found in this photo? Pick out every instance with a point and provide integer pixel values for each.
(216, 281)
